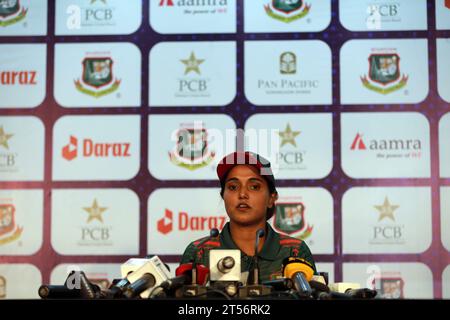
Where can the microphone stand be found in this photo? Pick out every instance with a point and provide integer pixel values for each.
(255, 289)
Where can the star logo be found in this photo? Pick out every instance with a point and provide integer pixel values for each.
(95, 212)
(288, 136)
(386, 210)
(4, 137)
(192, 64)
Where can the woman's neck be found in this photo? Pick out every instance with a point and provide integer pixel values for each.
(244, 237)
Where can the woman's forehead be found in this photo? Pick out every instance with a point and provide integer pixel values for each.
(244, 171)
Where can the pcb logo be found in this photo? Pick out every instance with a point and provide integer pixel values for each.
(97, 79)
(287, 10)
(384, 73)
(191, 150)
(8, 229)
(290, 219)
(11, 12)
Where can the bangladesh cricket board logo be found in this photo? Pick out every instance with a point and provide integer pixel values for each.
(8, 229)
(384, 73)
(11, 12)
(287, 10)
(191, 150)
(97, 79)
(290, 219)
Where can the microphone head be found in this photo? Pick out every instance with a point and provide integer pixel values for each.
(292, 265)
(260, 233)
(214, 232)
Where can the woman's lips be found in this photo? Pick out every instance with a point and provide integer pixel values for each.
(243, 207)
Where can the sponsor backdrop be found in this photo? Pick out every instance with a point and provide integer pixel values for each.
(114, 114)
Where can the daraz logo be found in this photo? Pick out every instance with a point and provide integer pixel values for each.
(188, 223)
(89, 148)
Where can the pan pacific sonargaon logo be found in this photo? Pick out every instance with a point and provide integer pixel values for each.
(11, 12)
(97, 79)
(384, 75)
(287, 10)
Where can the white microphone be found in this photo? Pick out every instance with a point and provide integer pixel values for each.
(150, 273)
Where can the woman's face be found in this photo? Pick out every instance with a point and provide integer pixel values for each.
(247, 196)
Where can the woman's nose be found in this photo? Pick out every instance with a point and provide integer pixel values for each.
(243, 194)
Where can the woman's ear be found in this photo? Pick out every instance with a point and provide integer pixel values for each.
(273, 199)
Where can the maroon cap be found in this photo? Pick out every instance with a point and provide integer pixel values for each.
(247, 158)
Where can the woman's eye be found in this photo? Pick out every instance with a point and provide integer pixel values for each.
(232, 187)
(255, 187)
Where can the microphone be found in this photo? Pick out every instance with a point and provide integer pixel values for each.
(281, 284)
(88, 290)
(255, 289)
(259, 234)
(300, 271)
(47, 291)
(363, 293)
(147, 280)
(153, 268)
(183, 279)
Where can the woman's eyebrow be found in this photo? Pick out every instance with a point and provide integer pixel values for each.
(250, 179)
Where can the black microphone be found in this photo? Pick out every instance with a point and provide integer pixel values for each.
(147, 280)
(47, 291)
(255, 289)
(281, 284)
(117, 288)
(88, 290)
(259, 234)
(363, 293)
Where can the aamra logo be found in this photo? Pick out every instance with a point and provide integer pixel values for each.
(191, 150)
(11, 12)
(287, 10)
(384, 73)
(414, 146)
(89, 148)
(186, 222)
(168, 3)
(4, 137)
(97, 79)
(358, 143)
(9, 231)
(288, 63)
(290, 219)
